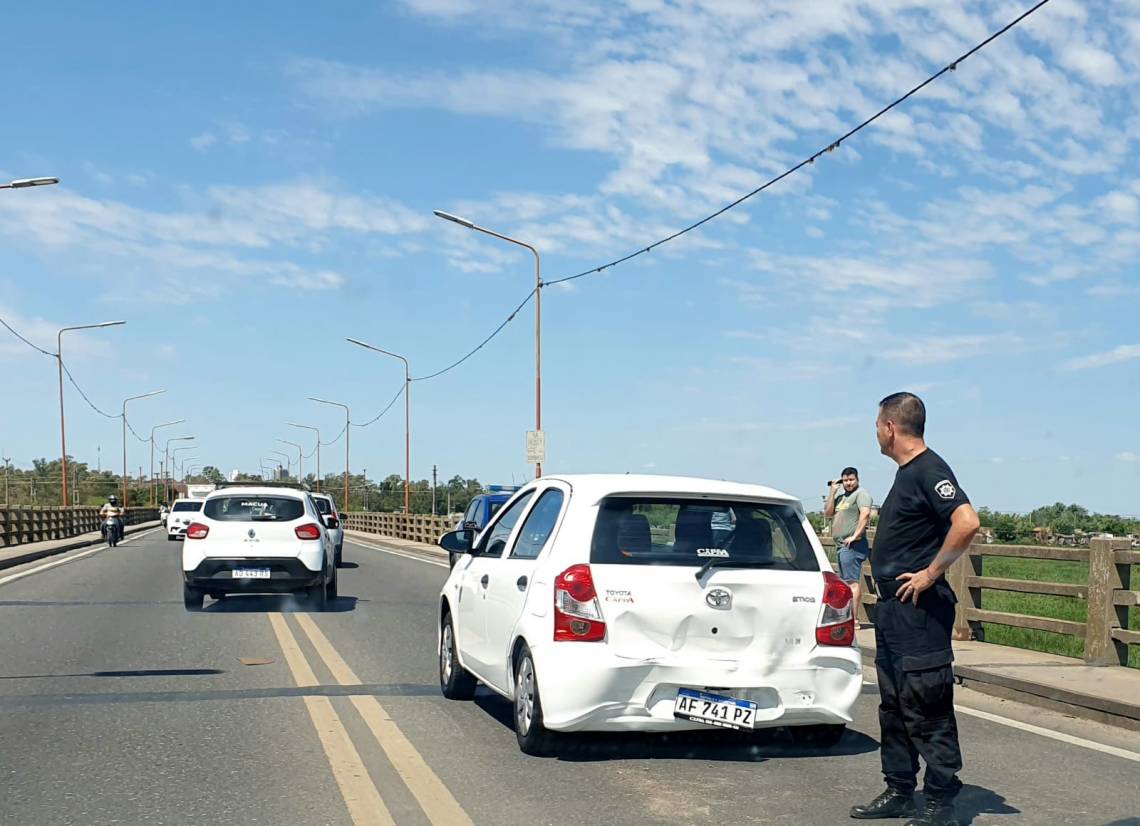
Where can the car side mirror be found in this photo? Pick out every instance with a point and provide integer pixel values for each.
(457, 542)
(332, 523)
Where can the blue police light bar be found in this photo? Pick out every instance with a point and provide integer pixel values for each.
(503, 488)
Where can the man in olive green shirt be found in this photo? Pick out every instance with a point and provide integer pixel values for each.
(849, 509)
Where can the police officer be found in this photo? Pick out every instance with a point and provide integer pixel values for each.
(925, 523)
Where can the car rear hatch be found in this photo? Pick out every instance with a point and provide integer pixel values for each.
(688, 580)
(253, 526)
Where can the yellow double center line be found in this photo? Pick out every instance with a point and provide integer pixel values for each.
(365, 805)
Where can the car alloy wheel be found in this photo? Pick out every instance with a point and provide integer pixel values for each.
(524, 696)
(446, 659)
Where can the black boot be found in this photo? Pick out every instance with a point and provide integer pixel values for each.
(891, 803)
(935, 813)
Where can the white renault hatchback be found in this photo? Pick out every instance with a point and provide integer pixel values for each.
(182, 513)
(650, 603)
(258, 539)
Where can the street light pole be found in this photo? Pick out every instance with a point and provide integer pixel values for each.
(300, 456)
(407, 418)
(273, 466)
(153, 481)
(62, 426)
(166, 465)
(288, 461)
(174, 459)
(463, 222)
(318, 432)
(126, 502)
(347, 432)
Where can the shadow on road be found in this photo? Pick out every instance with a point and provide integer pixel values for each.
(753, 747)
(146, 672)
(270, 603)
(976, 800)
(348, 565)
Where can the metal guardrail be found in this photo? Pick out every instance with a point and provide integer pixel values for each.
(1108, 593)
(21, 525)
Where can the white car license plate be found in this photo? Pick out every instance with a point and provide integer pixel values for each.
(714, 709)
(251, 573)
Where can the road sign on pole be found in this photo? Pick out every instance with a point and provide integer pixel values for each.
(536, 446)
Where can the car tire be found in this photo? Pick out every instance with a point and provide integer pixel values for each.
(318, 597)
(331, 586)
(818, 736)
(533, 736)
(170, 537)
(455, 681)
(192, 598)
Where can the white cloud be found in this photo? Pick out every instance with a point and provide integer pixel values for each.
(1128, 456)
(1095, 64)
(1117, 355)
(940, 349)
(203, 141)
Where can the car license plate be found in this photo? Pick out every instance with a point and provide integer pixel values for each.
(251, 573)
(714, 709)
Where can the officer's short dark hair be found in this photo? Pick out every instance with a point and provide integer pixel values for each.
(850, 471)
(907, 411)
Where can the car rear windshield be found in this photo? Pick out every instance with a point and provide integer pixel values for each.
(254, 508)
(187, 506)
(639, 530)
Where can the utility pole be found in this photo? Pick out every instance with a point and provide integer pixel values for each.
(434, 482)
(6, 461)
(99, 456)
(364, 472)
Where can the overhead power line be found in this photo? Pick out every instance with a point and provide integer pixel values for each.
(337, 439)
(380, 415)
(90, 403)
(831, 147)
(30, 344)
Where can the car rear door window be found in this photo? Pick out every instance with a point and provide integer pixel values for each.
(539, 525)
(254, 508)
(323, 505)
(638, 530)
(187, 506)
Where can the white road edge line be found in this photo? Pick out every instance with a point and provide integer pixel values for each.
(73, 558)
(1044, 732)
(397, 553)
(1054, 735)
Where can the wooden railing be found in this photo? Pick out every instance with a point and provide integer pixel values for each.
(22, 525)
(1108, 592)
(415, 527)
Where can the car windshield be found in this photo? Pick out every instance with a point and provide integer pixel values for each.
(691, 531)
(187, 506)
(254, 508)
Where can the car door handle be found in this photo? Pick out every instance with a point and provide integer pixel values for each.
(521, 583)
(486, 579)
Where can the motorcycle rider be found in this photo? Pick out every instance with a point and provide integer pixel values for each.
(112, 510)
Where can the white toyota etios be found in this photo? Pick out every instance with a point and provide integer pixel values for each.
(650, 603)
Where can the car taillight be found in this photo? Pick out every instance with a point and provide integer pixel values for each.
(197, 531)
(307, 531)
(577, 612)
(837, 623)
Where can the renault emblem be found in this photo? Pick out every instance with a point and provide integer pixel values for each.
(252, 533)
(719, 598)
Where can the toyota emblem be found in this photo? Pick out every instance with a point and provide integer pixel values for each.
(719, 598)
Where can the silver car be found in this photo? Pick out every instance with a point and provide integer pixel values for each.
(327, 507)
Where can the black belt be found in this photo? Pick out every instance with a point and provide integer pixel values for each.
(887, 588)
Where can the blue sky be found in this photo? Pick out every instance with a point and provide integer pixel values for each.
(248, 185)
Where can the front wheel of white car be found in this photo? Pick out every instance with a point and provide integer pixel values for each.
(534, 738)
(455, 681)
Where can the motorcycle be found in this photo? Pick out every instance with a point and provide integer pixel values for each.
(112, 531)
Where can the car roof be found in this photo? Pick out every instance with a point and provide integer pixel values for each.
(259, 490)
(186, 499)
(321, 495)
(598, 485)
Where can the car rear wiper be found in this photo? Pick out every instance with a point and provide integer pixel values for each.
(726, 562)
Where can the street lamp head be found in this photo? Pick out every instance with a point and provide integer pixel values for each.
(455, 219)
(23, 183)
(110, 324)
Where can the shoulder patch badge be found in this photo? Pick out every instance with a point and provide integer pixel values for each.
(945, 489)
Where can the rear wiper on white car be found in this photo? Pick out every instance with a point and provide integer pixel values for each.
(726, 562)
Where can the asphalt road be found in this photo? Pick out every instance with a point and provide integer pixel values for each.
(117, 706)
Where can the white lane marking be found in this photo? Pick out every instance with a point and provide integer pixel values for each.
(1054, 735)
(73, 558)
(398, 553)
(1044, 732)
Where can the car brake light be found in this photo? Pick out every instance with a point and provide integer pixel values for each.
(837, 623)
(577, 612)
(197, 531)
(307, 531)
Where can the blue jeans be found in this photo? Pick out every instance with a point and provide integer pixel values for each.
(851, 559)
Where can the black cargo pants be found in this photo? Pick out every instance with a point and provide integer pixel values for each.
(916, 690)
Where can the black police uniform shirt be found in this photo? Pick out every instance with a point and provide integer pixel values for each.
(915, 517)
